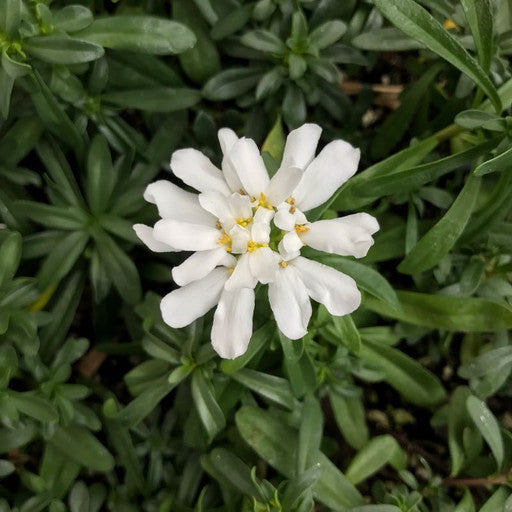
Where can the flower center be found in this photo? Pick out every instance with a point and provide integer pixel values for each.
(244, 222)
(252, 245)
(263, 202)
(225, 239)
(301, 228)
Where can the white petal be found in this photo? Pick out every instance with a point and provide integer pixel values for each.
(227, 137)
(184, 305)
(263, 215)
(336, 291)
(232, 323)
(200, 264)
(145, 233)
(241, 276)
(196, 170)
(239, 238)
(292, 242)
(216, 204)
(175, 203)
(248, 164)
(264, 263)
(282, 184)
(346, 236)
(334, 165)
(285, 220)
(286, 255)
(300, 146)
(290, 303)
(260, 232)
(185, 236)
(240, 206)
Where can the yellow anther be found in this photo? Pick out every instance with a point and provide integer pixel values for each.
(242, 192)
(225, 239)
(263, 202)
(252, 245)
(218, 225)
(283, 264)
(301, 228)
(291, 200)
(244, 222)
(448, 24)
(292, 209)
(231, 270)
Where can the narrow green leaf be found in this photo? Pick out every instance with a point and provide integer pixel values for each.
(145, 34)
(463, 314)
(10, 17)
(230, 83)
(275, 141)
(310, 433)
(489, 362)
(479, 14)
(11, 439)
(327, 34)
(348, 332)
(271, 387)
(350, 417)
(10, 255)
(235, 19)
(439, 240)
(154, 100)
(419, 24)
(100, 175)
(473, 119)
(264, 41)
(458, 423)
(34, 406)
(207, 407)
(62, 50)
(488, 426)
(72, 18)
(378, 452)
(415, 383)
(500, 163)
(386, 39)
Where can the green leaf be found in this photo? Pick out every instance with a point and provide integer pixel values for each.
(80, 445)
(72, 18)
(10, 439)
(410, 179)
(100, 175)
(479, 14)
(6, 85)
(21, 138)
(232, 22)
(10, 255)
(34, 406)
(473, 119)
(415, 383)
(276, 443)
(463, 314)
(167, 99)
(439, 240)
(14, 68)
(488, 362)
(62, 257)
(387, 39)
(458, 423)
(120, 268)
(145, 34)
(327, 34)
(366, 277)
(350, 418)
(59, 217)
(231, 83)
(488, 426)
(419, 24)
(202, 61)
(500, 163)
(375, 508)
(275, 141)
(310, 433)
(207, 407)
(10, 17)
(378, 452)
(348, 333)
(268, 386)
(294, 106)
(62, 50)
(264, 41)
(497, 500)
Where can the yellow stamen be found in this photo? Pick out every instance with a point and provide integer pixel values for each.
(263, 202)
(301, 228)
(242, 192)
(244, 222)
(231, 270)
(225, 239)
(218, 225)
(283, 264)
(252, 245)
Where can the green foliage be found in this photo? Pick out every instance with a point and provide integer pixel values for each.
(400, 406)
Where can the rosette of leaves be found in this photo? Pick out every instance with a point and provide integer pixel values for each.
(88, 221)
(292, 65)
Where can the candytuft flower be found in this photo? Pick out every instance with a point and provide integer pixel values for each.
(245, 228)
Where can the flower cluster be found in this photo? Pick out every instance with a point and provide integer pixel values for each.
(246, 228)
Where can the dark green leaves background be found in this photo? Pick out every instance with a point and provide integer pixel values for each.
(402, 406)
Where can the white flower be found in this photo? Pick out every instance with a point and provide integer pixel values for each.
(245, 227)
